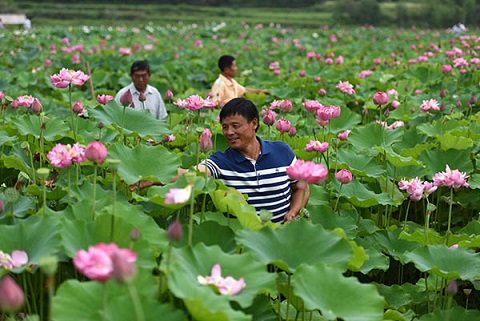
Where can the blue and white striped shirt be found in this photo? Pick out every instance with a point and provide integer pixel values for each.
(265, 180)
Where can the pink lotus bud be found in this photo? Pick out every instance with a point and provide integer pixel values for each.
(126, 99)
(472, 100)
(395, 104)
(344, 176)
(206, 140)
(447, 69)
(443, 93)
(292, 132)
(2, 206)
(458, 103)
(37, 107)
(316, 79)
(123, 265)
(283, 125)
(142, 97)
(47, 63)
(96, 152)
(269, 117)
(302, 73)
(2, 95)
(168, 94)
(175, 231)
(322, 92)
(343, 135)
(134, 234)
(380, 98)
(77, 107)
(11, 295)
(452, 287)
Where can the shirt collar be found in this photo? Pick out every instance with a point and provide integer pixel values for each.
(239, 157)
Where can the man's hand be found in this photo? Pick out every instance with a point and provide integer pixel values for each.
(142, 184)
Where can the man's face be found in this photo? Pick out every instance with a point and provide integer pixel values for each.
(140, 79)
(232, 70)
(238, 132)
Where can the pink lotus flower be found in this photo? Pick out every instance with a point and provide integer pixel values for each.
(77, 108)
(380, 98)
(316, 146)
(326, 113)
(302, 73)
(123, 265)
(36, 107)
(168, 94)
(76, 59)
(66, 77)
(16, 260)
(11, 295)
(307, 172)
(451, 178)
(195, 102)
(292, 132)
(178, 195)
(206, 140)
(429, 104)
(274, 65)
(269, 117)
(322, 92)
(364, 74)
(226, 286)
(339, 60)
(312, 105)
(175, 231)
(47, 63)
(346, 87)
(59, 156)
(416, 188)
(344, 176)
(96, 263)
(343, 135)
(25, 101)
(104, 99)
(125, 51)
(76, 153)
(283, 125)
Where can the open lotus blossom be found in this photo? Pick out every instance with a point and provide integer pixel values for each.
(343, 135)
(416, 188)
(429, 104)
(316, 146)
(346, 87)
(392, 126)
(226, 286)
(195, 102)
(312, 105)
(269, 117)
(16, 260)
(307, 172)
(285, 105)
(104, 99)
(66, 77)
(344, 176)
(451, 178)
(178, 195)
(25, 101)
(283, 125)
(325, 113)
(62, 156)
(274, 65)
(97, 264)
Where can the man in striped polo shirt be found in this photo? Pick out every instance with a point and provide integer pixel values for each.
(253, 166)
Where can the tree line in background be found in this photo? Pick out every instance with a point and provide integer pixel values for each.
(421, 13)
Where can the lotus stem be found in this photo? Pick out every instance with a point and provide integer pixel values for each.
(136, 302)
(94, 190)
(449, 215)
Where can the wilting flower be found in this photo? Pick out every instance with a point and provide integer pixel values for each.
(316, 146)
(380, 98)
(66, 77)
(451, 178)
(226, 286)
(11, 295)
(104, 99)
(126, 99)
(175, 231)
(97, 264)
(307, 172)
(206, 140)
(269, 116)
(96, 152)
(429, 104)
(283, 125)
(343, 135)
(178, 195)
(16, 260)
(344, 176)
(346, 87)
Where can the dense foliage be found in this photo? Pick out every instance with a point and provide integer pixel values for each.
(374, 248)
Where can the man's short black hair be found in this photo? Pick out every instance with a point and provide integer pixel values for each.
(140, 65)
(242, 107)
(225, 61)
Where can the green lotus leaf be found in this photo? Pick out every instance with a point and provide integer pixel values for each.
(390, 242)
(76, 300)
(449, 141)
(438, 128)
(329, 219)
(360, 195)
(25, 236)
(370, 135)
(360, 165)
(395, 159)
(145, 163)
(474, 181)
(140, 122)
(281, 247)
(419, 237)
(5, 138)
(348, 119)
(18, 160)
(456, 313)
(436, 160)
(395, 296)
(376, 260)
(184, 266)
(54, 127)
(324, 288)
(261, 309)
(445, 262)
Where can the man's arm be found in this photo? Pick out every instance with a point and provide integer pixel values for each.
(255, 91)
(299, 200)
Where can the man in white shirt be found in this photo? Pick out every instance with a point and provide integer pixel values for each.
(144, 96)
